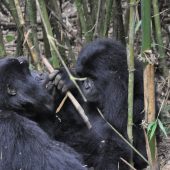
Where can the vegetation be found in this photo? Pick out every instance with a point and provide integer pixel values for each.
(57, 30)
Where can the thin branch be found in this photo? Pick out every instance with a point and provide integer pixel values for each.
(127, 163)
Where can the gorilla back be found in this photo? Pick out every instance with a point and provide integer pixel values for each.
(103, 63)
(23, 144)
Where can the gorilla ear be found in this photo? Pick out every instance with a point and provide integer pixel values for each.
(11, 90)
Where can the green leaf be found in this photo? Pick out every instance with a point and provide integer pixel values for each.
(138, 25)
(10, 37)
(162, 127)
(152, 128)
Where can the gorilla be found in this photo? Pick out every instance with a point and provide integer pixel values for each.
(103, 63)
(23, 144)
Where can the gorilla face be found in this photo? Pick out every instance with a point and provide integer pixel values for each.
(98, 79)
(104, 64)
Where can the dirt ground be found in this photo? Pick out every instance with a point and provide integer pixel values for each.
(164, 154)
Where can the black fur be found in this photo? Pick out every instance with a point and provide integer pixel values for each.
(104, 63)
(23, 144)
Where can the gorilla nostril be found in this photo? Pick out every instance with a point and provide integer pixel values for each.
(11, 90)
(87, 84)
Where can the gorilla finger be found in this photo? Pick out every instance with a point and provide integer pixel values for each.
(53, 74)
(49, 86)
(54, 92)
(64, 89)
(57, 79)
(60, 84)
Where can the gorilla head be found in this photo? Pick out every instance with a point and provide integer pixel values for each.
(23, 144)
(21, 90)
(104, 63)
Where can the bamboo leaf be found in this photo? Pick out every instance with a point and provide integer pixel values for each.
(152, 130)
(149, 80)
(2, 47)
(162, 127)
(150, 127)
(138, 25)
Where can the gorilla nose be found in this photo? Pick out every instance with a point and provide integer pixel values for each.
(87, 84)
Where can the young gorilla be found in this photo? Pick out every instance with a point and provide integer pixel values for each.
(104, 64)
(23, 144)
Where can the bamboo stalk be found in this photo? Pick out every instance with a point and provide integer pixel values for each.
(120, 25)
(57, 27)
(87, 16)
(11, 5)
(14, 7)
(159, 37)
(83, 20)
(60, 31)
(132, 22)
(101, 18)
(44, 16)
(93, 9)
(19, 13)
(149, 87)
(21, 23)
(31, 35)
(31, 14)
(32, 50)
(97, 18)
(2, 47)
(109, 6)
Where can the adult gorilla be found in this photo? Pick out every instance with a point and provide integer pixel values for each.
(104, 64)
(23, 144)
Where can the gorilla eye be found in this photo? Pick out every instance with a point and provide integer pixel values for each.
(11, 90)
